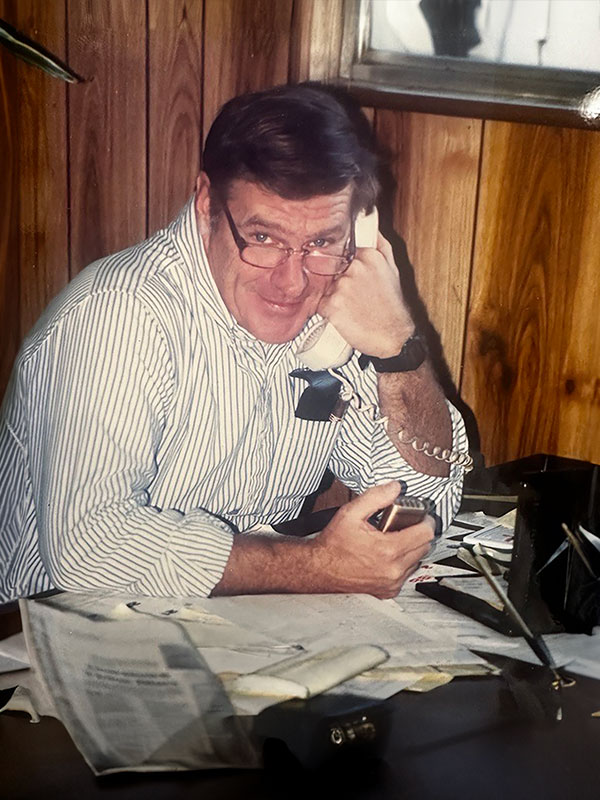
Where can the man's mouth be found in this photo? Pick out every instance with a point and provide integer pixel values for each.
(282, 306)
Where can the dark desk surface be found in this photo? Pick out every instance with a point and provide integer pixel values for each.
(464, 740)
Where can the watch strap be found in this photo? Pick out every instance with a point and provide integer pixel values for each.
(412, 355)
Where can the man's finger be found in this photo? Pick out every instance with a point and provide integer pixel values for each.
(374, 499)
(413, 538)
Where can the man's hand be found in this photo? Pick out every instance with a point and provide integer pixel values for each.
(349, 555)
(366, 304)
(367, 307)
(359, 558)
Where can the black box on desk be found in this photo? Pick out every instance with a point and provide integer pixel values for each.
(550, 491)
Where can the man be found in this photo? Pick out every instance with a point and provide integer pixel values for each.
(149, 425)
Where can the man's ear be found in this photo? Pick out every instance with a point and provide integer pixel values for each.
(202, 203)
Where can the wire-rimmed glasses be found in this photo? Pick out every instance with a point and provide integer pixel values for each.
(269, 256)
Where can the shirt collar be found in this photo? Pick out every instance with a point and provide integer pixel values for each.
(189, 243)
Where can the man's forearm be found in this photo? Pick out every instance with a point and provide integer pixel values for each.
(263, 564)
(349, 555)
(414, 403)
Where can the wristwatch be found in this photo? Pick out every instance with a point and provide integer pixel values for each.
(412, 355)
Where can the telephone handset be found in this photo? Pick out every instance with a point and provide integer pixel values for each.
(324, 347)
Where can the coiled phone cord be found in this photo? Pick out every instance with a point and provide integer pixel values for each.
(349, 395)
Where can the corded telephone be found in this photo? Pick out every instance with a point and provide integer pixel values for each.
(323, 347)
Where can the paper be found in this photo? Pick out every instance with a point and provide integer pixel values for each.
(578, 651)
(321, 621)
(384, 681)
(497, 536)
(307, 675)
(427, 573)
(477, 587)
(438, 617)
(498, 560)
(205, 628)
(133, 695)
(475, 518)
(13, 653)
(21, 700)
(445, 547)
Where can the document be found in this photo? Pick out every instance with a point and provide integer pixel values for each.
(317, 622)
(578, 652)
(478, 587)
(13, 653)
(431, 572)
(134, 695)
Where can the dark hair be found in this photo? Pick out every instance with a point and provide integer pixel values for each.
(297, 141)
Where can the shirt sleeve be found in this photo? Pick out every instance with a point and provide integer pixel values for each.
(99, 386)
(365, 456)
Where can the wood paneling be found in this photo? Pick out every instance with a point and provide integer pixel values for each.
(89, 169)
(33, 227)
(44, 251)
(316, 40)
(435, 162)
(532, 358)
(107, 127)
(9, 208)
(174, 113)
(246, 48)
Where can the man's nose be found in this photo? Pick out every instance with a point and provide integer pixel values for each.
(290, 278)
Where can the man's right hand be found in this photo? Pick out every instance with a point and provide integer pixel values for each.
(350, 555)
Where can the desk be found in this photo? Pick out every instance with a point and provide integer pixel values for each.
(465, 740)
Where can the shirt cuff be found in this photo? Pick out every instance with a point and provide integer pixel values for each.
(194, 560)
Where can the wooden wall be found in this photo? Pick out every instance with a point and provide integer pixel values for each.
(499, 219)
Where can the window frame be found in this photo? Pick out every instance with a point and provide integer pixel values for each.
(460, 87)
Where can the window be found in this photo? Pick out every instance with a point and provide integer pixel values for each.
(537, 60)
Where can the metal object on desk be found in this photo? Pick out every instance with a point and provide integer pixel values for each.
(324, 729)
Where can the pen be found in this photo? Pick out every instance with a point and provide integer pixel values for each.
(492, 498)
(572, 539)
(536, 643)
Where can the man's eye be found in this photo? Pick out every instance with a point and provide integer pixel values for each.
(261, 238)
(319, 243)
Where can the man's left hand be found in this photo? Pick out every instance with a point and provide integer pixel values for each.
(366, 304)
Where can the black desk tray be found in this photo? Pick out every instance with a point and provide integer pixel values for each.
(550, 490)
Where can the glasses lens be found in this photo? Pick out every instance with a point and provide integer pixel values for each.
(263, 256)
(325, 265)
(269, 257)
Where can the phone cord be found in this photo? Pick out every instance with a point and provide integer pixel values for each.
(349, 395)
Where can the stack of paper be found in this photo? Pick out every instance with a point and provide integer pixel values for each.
(494, 541)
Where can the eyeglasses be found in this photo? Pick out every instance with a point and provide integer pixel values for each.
(269, 256)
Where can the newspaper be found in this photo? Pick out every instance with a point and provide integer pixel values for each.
(133, 695)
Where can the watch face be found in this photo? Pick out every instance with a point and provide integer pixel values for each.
(415, 353)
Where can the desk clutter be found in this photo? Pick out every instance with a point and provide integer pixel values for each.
(546, 550)
(148, 684)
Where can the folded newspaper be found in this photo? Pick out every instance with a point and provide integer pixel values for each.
(135, 696)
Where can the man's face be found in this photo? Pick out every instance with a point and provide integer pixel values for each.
(273, 304)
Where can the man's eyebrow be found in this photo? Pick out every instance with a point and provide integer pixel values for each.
(270, 225)
(334, 230)
(261, 222)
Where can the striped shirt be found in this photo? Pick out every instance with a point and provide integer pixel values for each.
(142, 426)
